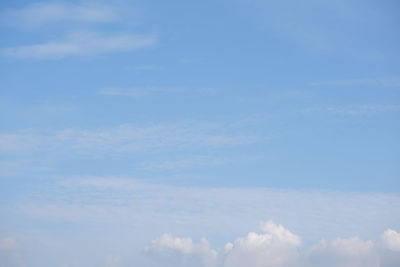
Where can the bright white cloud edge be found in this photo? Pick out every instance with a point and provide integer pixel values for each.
(276, 246)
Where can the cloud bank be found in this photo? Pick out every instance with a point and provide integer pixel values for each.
(131, 212)
(276, 246)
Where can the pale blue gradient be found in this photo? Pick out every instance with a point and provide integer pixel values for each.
(297, 97)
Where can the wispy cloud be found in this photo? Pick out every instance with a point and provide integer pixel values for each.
(148, 67)
(67, 21)
(22, 166)
(356, 110)
(136, 92)
(172, 212)
(126, 138)
(188, 162)
(128, 201)
(132, 93)
(378, 82)
(9, 252)
(82, 44)
(42, 13)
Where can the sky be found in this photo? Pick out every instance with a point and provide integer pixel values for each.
(207, 133)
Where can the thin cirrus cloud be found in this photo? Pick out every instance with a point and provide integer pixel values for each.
(67, 21)
(41, 13)
(138, 92)
(188, 162)
(130, 201)
(169, 214)
(128, 138)
(82, 44)
(276, 246)
(381, 82)
(356, 110)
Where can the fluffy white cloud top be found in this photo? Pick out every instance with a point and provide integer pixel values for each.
(391, 239)
(175, 251)
(276, 246)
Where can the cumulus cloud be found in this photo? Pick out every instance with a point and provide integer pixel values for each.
(182, 251)
(142, 210)
(351, 252)
(278, 247)
(390, 239)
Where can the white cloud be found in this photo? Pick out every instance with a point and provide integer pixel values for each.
(61, 18)
(182, 252)
(356, 110)
(7, 243)
(143, 210)
(390, 239)
(9, 255)
(202, 211)
(137, 92)
(276, 247)
(378, 82)
(350, 252)
(132, 93)
(363, 110)
(82, 44)
(188, 162)
(113, 261)
(279, 247)
(42, 13)
(126, 138)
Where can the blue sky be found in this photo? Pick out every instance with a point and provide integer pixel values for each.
(198, 119)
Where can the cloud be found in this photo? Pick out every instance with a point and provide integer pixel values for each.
(43, 13)
(82, 44)
(278, 247)
(378, 82)
(188, 162)
(182, 252)
(148, 67)
(7, 243)
(315, 25)
(132, 93)
(359, 110)
(67, 20)
(143, 91)
(390, 239)
(113, 261)
(128, 138)
(129, 201)
(351, 252)
(363, 110)
(9, 255)
(125, 206)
